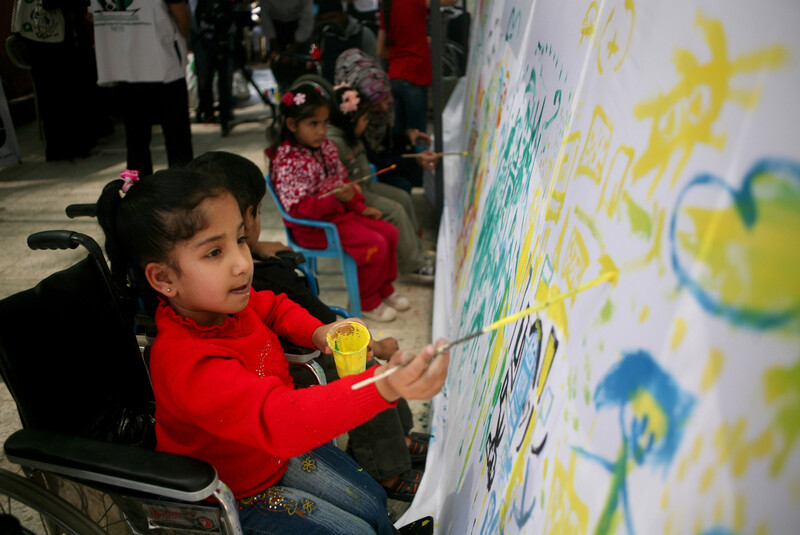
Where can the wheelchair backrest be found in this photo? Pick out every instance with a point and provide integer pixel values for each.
(70, 362)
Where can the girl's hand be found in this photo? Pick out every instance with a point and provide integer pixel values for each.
(427, 159)
(421, 376)
(320, 336)
(372, 212)
(345, 193)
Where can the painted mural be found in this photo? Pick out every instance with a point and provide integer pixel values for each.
(657, 142)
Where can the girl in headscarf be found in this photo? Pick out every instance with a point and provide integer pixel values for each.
(384, 146)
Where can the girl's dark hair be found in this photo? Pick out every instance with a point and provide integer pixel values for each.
(236, 173)
(157, 212)
(313, 97)
(344, 116)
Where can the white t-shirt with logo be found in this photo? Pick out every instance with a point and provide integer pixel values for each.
(139, 43)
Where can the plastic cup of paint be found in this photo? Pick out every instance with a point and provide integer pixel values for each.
(349, 341)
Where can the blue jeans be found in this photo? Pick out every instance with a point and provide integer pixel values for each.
(410, 106)
(322, 492)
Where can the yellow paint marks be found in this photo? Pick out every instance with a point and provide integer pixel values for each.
(607, 265)
(761, 530)
(544, 468)
(719, 509)
(713, 368)
(566, 512)
(685, 116)
(556, 311)
(665, 499)
(524, 262)
(697, 448)
(707, 478)
(547, 362)
(738, 513)
(595, 150)
(678, 332)
(644, 405)
(644, 313)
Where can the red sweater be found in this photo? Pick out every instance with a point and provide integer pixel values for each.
(224, 394)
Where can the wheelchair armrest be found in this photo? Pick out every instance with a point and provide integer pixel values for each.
(129, 467)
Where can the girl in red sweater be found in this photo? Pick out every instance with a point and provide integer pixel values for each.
(221, 382)
(305, 167)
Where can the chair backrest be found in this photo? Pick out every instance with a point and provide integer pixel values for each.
(333, 250)
(66, 356)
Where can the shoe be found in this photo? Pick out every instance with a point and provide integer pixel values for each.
(425, 274)
(397, 302)
(406, 486)
(382, 312)
(418, 450)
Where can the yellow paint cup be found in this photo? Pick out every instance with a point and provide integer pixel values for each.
(349, 341)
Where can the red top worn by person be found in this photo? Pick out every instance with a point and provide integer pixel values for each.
(241, 412)
(410, 52)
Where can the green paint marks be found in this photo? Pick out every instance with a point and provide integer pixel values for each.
(587, 220)
(639, 219)
(606, 312)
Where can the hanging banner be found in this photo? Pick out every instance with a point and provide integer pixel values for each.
(650, 146)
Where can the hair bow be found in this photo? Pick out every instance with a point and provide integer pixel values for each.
(128, 176)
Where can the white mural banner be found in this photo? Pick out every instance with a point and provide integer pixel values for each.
(656, 143)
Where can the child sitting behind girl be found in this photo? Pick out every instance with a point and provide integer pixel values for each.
(306, 166)
(221, 383)
(349, 120)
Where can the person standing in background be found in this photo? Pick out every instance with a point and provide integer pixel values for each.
(54, 36)
(288, 25)
(403, 39)
(141, 51)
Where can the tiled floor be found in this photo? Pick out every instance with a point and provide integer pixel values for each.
(34, 194)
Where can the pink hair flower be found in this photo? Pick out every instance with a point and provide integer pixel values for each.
(287, 99)
(128, 176)
(350, 102)
(299, 99)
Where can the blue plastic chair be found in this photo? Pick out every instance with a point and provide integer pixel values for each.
(334, 250)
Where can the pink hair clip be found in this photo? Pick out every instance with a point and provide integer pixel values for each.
(288, 98)
(341, 86)
(350, 101)
(129, 176)
(299, 99)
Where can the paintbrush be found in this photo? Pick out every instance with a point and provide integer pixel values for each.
(415, 154)
(497, 324)
(362, 179)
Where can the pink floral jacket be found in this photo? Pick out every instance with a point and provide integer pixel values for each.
(301, 175)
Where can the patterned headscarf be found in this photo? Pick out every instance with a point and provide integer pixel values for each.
(355, 67)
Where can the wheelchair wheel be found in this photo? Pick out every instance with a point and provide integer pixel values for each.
(39, 511)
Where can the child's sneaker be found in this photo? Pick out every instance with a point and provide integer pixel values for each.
(397, 302)
(382, 312)
(425, 274)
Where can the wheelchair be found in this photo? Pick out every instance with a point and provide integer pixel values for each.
(85, 451)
